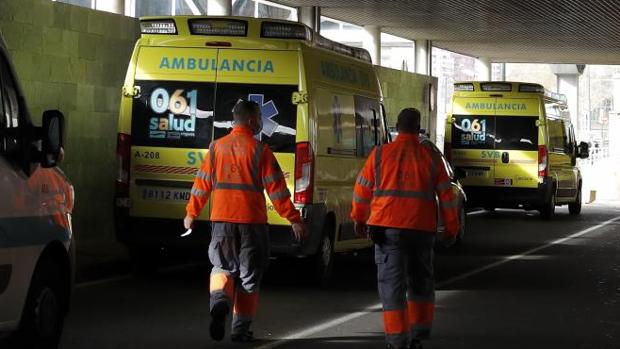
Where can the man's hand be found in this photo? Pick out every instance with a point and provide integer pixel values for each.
(361, 230)
(299, 231)
(188, 222)
(447, 239)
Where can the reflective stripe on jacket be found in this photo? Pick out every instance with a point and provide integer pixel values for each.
(398, 187)
(235, 172)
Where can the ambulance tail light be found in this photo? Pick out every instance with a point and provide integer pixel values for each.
(123, 153)
(304, 169)
(543, 161)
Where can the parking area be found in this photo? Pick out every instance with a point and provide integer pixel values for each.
(517, 282)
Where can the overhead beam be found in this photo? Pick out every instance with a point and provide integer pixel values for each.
(310, 16)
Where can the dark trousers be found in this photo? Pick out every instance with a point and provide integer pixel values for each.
(404, 261)
(239, 254)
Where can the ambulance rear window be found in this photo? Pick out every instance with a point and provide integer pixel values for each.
(516, 133)
(473, 132)
(278, 112)
(495, 132)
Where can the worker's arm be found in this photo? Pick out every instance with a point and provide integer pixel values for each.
(448, 201)
(275, 185)
(362, 192)
(203, 184)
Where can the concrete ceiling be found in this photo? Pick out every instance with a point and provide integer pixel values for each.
(543, 31)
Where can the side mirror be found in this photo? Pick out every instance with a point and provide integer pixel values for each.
(459, 173)
(583, 151)
(52, 136)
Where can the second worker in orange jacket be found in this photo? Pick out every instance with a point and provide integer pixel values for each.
(396, 195)
(236, 172)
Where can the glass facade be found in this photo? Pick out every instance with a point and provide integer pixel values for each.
(263, 9)
(169, 7)
(83, 3)
(449, 67)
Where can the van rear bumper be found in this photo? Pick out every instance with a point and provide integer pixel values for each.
(160, 232)
(506, 197)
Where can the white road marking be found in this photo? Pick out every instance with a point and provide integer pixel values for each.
(309, 331)
(475, 213)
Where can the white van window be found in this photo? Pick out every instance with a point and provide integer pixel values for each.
(9, 96)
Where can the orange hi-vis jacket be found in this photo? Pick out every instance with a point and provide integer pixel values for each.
(398, 187)
(235, 172)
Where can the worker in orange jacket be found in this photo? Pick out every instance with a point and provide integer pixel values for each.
(236, 171)
(396, 197)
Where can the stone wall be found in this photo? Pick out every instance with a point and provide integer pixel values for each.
(74, 59)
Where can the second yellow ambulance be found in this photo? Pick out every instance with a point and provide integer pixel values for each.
(517, 145)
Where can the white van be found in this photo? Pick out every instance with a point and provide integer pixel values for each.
(36, 249)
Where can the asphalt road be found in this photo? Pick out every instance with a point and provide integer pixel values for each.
(518, 282)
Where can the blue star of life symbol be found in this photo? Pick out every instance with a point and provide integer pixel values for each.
(268, 111)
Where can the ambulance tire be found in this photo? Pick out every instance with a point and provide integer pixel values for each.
(575, 208)
(45, 307)
(548, 209)
(322, 263)
(144, 260)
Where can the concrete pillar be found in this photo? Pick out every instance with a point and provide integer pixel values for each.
(568, 85)
(113, 6)
(423, 57)
(310, 16)
(483, 69)
(372, 42)
(219, 7)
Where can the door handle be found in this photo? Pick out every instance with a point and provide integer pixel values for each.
(505, 157)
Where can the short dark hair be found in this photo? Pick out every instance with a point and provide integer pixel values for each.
(243, 110)
(408, 121)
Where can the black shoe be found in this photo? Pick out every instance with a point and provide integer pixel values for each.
(244, 337)
(415, 344)
(218, 321)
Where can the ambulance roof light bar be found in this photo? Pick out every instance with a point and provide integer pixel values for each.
(278, 30)
(464, 86)
(218, 27)
(158, 26)
(496, 87)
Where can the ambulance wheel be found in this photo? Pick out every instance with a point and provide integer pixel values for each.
(45, 308)
(548, 209)
(144, 260)
(575, 208)
(322, 263)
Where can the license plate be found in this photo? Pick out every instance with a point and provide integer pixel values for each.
(161, 194)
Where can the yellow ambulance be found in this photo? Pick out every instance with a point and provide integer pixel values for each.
(321, 109)
(517, 145)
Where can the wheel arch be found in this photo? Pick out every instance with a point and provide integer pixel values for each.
(57, 252)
